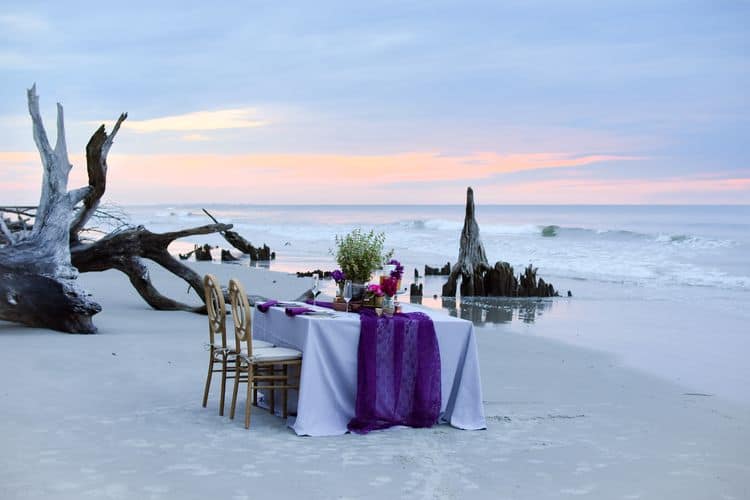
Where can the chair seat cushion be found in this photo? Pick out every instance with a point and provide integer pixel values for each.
(274, 354)
(261, 344)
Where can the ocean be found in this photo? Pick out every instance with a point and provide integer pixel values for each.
(665, 289)
(645, 246)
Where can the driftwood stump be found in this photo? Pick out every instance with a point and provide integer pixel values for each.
(478, 278)
(472, 261)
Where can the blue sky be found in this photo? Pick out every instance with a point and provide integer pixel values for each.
(529, 102)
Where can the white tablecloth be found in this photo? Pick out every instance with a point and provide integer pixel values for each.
(328, 380)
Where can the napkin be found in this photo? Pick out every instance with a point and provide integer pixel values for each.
(266, 305)
(294, 311)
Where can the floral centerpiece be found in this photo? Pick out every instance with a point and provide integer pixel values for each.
(359, 254)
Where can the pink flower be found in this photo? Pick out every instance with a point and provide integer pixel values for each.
(375, 290)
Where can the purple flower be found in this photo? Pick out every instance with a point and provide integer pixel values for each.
(338, 276)
(399, 271)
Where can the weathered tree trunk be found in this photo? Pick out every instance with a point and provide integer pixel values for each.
(38, 284)
(472, 261)
(478, 278)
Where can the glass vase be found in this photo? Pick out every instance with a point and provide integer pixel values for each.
(389, 306)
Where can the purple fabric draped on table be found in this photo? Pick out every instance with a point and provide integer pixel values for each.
(398, 379)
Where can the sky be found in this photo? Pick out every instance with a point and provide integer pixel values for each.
(394, 102)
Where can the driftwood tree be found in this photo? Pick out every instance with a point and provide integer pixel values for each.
(39, 266)
(480, 279)
(38, 285)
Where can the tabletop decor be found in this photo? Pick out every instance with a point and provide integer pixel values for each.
(373, 296)
(397, 271)
(398, 372)
(390, 288)
(359, 254)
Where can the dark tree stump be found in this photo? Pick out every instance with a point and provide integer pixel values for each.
(472, 261)
(226, 256)
(309, 274)
(437, 271)
(203, 254)
(478, 279)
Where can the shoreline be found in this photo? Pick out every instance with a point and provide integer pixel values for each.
(118, 415)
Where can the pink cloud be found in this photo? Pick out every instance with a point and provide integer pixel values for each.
(329, 178)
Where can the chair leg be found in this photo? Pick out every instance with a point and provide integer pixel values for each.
(285, 392)
(223, 384)
(234, 392)
(272, 398)
(250, 385)
(208, 377)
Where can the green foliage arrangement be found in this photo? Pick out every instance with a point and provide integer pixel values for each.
(359, 254)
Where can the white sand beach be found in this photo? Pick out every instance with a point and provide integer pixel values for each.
(118, 415)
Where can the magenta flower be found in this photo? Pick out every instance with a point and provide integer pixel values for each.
(390, 286)
(375, 290)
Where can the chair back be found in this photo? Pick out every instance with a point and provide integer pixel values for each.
(241, 316)
(217, 312)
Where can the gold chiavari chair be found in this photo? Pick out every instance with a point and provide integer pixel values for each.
(259, 367)
(221, 358)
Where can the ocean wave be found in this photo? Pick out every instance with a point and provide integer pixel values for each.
(697, 242)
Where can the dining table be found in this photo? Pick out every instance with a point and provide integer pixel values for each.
(329, 340)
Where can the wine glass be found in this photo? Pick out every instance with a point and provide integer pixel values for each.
(347, 293)
(315, 286)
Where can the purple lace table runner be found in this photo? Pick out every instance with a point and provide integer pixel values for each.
(398, 372)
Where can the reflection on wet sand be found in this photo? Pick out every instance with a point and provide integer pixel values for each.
(493, 310)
